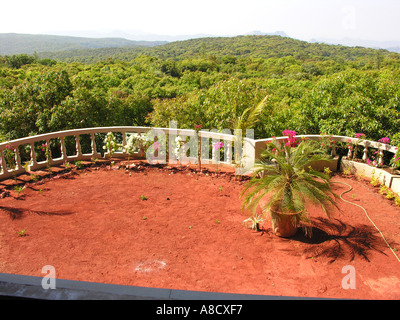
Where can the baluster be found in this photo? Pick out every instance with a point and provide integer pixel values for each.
(3, 162)
(228, 151)
(33, 161)
(204, 149)
(333, 152)
(93, 144)
(350, 153)
(78, 146)
(17, 159)
(365, 152)
(183, 150)
(215, 153)
(63, 149)
(380, 159)
(123, 139)
(49, 158)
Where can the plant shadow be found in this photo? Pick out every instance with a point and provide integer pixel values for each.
(336, 240)
(17, 213)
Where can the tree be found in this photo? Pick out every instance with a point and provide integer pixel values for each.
(350, 102)
(17, 61)
(27, 108)
(217, 107)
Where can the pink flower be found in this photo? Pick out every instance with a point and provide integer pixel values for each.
(292, 141)
(199, 126)
(218, 145)
(289, 133)
(385, 140)
(360, 135)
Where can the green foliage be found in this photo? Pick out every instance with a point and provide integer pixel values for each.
(286, 178)
(111, 144)
(28, 107)
(19, 189)
(230, 49)
(217, 107)
(215, 82)
(19, 60)
(21, 233)
(14, 43)
(351, 102)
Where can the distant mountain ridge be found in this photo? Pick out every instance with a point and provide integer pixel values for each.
(393, 46)
(16, 43)
(138, 35)
(227, 48)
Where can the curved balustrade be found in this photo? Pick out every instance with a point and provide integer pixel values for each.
(366, 145)
(33, 143)
(250, 148)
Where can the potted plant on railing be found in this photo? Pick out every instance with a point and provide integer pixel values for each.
(284, 183)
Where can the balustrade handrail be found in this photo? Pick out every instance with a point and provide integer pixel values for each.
(350, 141)
(251, 147)
(345, 139)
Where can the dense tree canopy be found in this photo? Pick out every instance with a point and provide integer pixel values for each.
(311, 88)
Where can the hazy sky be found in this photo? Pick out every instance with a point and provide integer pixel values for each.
(302, 19)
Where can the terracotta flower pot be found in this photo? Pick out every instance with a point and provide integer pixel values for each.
(284, 224)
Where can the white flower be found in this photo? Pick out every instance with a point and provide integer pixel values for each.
(179, 143)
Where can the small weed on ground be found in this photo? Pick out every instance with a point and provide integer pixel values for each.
(21, 233)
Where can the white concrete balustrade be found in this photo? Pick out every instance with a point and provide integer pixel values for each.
(17, 167)
(250, 148)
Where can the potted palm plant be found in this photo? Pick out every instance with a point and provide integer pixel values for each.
(284, 185)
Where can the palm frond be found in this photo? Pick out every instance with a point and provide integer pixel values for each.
(249, 117)
(286, 177)
(254, 113)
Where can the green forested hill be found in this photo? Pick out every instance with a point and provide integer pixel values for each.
(311, 88)
(14, 43)
(262, 47)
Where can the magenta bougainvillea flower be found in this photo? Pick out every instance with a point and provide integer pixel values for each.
(360, 135)
(292, 141)
(44, 146)
(385, 140)
(289, 133)
(218, 145)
